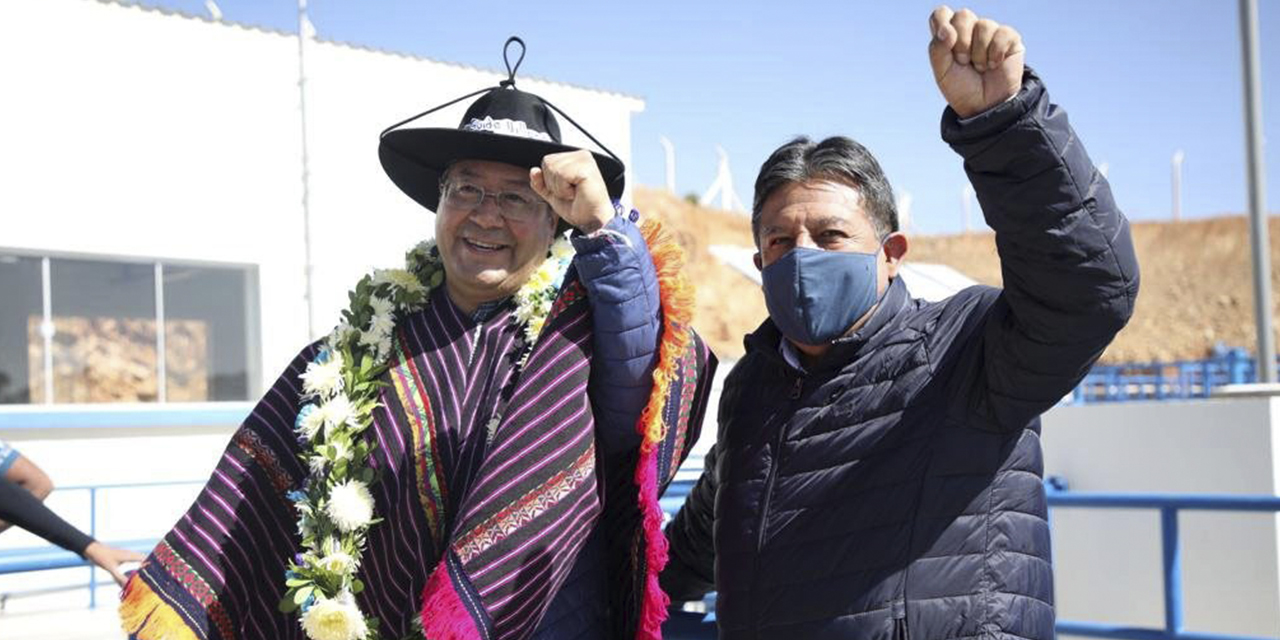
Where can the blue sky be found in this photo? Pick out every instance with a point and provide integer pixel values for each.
(1140, 79)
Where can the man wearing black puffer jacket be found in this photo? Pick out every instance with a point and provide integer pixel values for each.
(878, 468)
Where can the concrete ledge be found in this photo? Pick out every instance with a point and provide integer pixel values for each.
(1254, 390)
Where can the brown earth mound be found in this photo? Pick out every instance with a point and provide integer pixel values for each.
(1196, 284)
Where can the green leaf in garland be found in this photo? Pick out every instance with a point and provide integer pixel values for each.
(287, 605)
(300, 596)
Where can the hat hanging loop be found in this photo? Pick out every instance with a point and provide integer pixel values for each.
(510, 82)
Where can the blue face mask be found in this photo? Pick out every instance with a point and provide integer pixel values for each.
(814, 296)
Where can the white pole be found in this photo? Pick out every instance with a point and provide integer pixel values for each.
(727, 196)
(669, 151)
(214, 10)
(1178, 156)
(1257, 191)
(304, 29)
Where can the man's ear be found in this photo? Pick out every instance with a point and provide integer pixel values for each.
(895, 249)
(755, 257)
(558, 225)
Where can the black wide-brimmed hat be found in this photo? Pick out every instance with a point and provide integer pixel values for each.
(503, 125)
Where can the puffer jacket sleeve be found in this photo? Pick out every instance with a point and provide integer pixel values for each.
(1067, 257)
(622, 288)
(691, 555)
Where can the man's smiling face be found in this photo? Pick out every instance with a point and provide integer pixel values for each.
(488, 256)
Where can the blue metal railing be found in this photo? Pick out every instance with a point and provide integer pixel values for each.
(20, 560)
(1169, 506)
(1177, 380)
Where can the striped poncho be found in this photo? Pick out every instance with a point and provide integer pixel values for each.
(489, 484)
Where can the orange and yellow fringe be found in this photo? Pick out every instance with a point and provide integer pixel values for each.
(677, 297)
(145, 615)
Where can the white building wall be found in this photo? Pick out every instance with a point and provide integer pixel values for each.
(136, 133)
(130, 132)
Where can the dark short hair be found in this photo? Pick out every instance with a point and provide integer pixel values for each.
(836, 159)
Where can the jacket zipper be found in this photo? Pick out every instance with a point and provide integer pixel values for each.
(900, 620)
(797, 389)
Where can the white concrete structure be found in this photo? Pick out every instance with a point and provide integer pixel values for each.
(1108, 562)
(132, 132)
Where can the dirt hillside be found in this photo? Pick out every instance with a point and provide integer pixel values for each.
(1196, 288)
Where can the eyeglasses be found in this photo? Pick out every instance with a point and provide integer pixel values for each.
(514, 205)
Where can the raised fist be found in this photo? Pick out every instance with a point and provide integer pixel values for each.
(977, 62)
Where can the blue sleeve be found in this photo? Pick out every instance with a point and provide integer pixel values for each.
(622, 288)
(8, 455)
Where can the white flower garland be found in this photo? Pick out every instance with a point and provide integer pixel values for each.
(340, 390)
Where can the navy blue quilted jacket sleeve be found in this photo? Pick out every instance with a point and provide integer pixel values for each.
(622, 287)
(1066, 255)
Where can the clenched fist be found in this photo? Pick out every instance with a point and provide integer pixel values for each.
(977, 62)
(572, 184)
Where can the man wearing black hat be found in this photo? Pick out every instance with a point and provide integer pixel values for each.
(477, 449)
(877, 473)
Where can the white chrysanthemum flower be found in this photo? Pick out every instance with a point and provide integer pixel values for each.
(562, 249)
(369, 339)
(311, 422)
(523, 312)
(335, 559)
(380, 306)
(378, 336)
(541, 278)
(338, 563)
(317, 464)
(336, 619)
(337, 411)
(384, 347)
(535, 328)
(399, 278)
(350, 505)
(382, 323)
(339, 335)
(378, 344)
(324, 378)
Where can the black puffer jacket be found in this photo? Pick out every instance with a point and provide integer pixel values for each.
(894, 490)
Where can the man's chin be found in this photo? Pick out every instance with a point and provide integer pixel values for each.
(487, 279)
